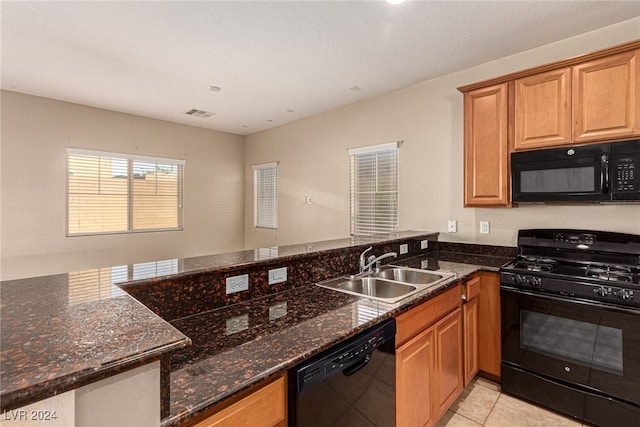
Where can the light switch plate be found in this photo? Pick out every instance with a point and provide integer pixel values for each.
(277, 275)
(404, 248)
(484, 227)
(452, 226)
(237, 283)
(277, 310)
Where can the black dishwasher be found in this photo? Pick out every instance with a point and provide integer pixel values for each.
(351, 384)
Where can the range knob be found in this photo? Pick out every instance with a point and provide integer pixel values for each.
(624, 294)
(534, 281)
(520, 279)
(602, 291)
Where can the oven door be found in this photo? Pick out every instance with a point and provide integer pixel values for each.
(575, 342)
(572, 174)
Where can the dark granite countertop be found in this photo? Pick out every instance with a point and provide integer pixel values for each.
(61, 332)
(64, 331)
(241, 345)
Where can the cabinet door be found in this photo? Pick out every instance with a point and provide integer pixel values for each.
(265, 407)
(449, 362)
(414, 382)
(486, 151)
(490, 352)
(470, 319)
(543, 110)
(606, 98)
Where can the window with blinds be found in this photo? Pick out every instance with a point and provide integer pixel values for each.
(265, 195)
(121, 193)
(374, 189)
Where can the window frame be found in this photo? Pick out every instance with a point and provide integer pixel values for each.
(266, 223)
(130, 158)
(376, 228)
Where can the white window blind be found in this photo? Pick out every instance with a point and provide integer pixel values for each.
(374, 189)
(265, 195)
(120, 193)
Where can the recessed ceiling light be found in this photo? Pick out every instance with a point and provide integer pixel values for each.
(355, 88)
(291, 111)
(270, 120)
(214, 88)
(245, 126)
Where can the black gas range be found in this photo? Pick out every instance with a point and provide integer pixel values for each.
(570, 324)
(592, 265)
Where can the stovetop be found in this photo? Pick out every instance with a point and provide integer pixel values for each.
(594, 265)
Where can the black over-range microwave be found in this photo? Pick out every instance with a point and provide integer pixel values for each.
(608, 172)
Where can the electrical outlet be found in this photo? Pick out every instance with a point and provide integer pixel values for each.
(237, 283)
(277, 275)
(309, 200)
(404, 249)
(424, 244)
(452, 226)
(484, 227)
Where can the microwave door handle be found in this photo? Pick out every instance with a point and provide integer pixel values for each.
(605, 173)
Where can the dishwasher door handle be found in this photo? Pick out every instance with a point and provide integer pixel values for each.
(355, 368)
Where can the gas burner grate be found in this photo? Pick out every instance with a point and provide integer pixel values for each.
(536, 264)
(613, 273)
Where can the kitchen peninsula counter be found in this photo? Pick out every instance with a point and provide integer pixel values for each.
(62, 332)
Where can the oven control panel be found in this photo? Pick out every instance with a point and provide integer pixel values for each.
(572, 288)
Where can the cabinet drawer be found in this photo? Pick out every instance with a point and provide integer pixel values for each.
(471, 288)
(412, 322)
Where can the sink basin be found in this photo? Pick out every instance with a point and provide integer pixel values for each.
(391, 284)
(375, 287)
(408, 275)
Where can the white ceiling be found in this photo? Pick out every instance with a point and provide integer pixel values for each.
(156, 59)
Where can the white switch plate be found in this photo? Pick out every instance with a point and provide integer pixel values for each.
(452, 226)
(484, 227)
(237, 283)
(424, 244)
(309, 200)
(277, 275)
(277, 310)
(404, 249)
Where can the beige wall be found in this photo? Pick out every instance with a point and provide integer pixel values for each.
(35, 133)
(429, 118)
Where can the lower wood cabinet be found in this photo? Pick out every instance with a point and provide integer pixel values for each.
(471, 348)
(490, 351)
(429, 360)
(264, 407)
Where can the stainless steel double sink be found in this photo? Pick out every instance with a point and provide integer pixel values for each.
(390, 284)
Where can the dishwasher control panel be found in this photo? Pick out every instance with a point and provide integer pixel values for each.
(344, 356)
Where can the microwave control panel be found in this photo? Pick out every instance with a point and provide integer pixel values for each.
(626, 174)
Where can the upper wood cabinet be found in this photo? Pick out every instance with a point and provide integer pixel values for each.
(486, 152)
(543, 109)
(606, 98)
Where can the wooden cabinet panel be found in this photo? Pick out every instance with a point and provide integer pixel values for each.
(543, 109)
(414, 367)
(470, 323)
(490, 352)
(265, 407)
(606, 98)
(486, 151)
(411, 322)
(448, 367)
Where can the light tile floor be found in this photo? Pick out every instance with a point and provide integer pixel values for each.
(482, 404)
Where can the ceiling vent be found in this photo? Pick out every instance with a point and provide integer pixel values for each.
(199, 113)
